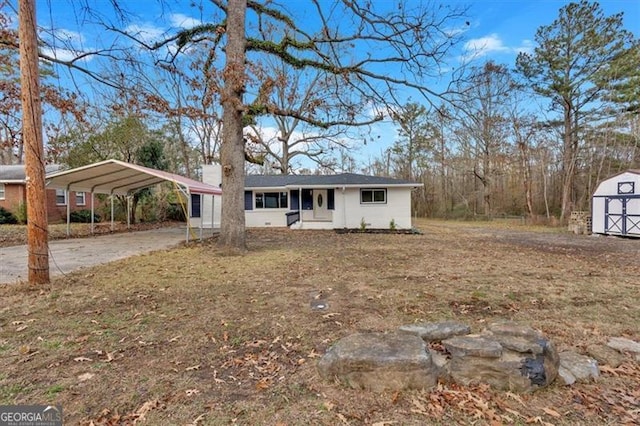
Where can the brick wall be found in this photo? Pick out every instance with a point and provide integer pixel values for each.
(15, 194)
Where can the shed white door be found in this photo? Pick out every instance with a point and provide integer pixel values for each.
(320, 199)
(622, 216)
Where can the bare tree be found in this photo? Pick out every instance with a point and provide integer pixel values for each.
(483, 114)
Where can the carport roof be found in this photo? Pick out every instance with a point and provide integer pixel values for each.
(121, 178)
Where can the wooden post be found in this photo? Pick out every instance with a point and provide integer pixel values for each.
(37, 225)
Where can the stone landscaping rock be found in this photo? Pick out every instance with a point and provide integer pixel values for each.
(577, 368)
(436, 331)
(507, 356)
(605, 355)
(624, 345)
(380, 362)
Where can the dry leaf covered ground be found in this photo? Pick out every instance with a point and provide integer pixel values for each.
(189, 336)
(14, 235)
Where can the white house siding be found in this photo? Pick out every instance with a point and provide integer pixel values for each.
(211, 174)
(608, 193)
(349, 212)
(261, 218)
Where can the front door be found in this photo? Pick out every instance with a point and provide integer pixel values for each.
(320, 210)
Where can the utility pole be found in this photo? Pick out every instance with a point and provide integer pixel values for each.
(37, 226)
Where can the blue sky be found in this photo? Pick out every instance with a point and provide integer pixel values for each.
(497, 30)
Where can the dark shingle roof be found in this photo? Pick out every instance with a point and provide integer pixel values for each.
(16, 172)
(343, 179)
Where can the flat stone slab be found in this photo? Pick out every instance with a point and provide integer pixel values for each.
(436, 331)
(380, 362)
(473, 345)
(513, 329)
(624, 345)
(575, 367)
(605, 355)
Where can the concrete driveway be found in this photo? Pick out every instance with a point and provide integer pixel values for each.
(69, 255)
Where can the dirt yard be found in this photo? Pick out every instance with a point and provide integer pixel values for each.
(189, 336)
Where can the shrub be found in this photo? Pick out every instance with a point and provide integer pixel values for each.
(392, 225)
(363, 225)
(174, 212)
(21, 213)
(7, 217)
(83, 216)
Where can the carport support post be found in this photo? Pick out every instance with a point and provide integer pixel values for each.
(213, 204)
(92, 210)
(188, 213)
(201, 211)
(111, 212)
(128, 211)
(66, 196)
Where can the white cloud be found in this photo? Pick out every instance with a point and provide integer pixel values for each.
(68, 36)
(62, 54)
(478, 47)
(180, 20)
(526, 47)
(146, 33)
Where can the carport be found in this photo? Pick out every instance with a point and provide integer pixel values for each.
(114, 177)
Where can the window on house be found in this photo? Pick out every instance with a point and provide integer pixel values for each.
(80, 199)
(2, 193)
(61, 197)
(271, 200)
(369, 196)
(196, 205)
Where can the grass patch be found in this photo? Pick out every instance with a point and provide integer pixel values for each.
(188, 335)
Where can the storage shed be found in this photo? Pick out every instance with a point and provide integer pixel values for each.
(615, 206)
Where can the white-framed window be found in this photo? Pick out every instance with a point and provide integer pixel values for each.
(80, 199)
(271, 200)
(61, 197)
(2, 191)
(373, 196)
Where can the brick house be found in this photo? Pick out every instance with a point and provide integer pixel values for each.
(13, 193)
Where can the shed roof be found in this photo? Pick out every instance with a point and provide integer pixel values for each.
(312, 181)
(121, 178)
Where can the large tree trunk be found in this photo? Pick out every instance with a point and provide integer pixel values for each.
(568, 164)
(37, 225)
(232, 227)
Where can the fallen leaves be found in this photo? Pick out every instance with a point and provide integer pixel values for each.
(110, 418)
(85, 376)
